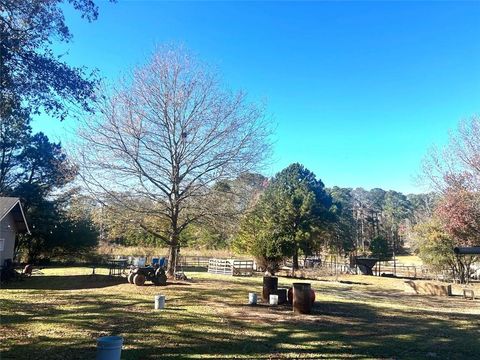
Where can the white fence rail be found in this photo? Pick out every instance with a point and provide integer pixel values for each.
(230, 267)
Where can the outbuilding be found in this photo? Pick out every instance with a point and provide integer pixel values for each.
(12, 222)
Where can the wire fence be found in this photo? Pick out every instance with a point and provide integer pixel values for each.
(387, 268)
(330, 266)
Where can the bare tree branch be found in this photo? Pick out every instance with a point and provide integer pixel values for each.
(167, 133)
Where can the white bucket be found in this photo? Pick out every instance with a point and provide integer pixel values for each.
(273, 299)
(252, 299)
(109, 348)
(159, 302)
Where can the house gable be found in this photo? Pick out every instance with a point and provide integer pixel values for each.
(7, 238)
(11, 206)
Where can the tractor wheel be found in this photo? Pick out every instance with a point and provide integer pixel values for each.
(160, 277)
(139, 279)
(130, 278)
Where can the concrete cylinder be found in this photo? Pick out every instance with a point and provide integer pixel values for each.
(252, 299)
(109, 348)
(270, 284)
(159, 302)
(302, 301)
(273, 299)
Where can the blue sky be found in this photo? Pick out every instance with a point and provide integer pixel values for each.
(359, 91)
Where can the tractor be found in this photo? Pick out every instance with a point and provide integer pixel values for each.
(155, 274)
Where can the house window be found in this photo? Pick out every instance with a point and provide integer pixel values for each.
(2, 244)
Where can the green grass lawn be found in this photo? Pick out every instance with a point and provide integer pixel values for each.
(60, 313)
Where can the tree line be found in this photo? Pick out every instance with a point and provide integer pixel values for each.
(169, 155)
(290, 215)
(33, 81)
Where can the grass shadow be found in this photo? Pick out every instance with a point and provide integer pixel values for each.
(211, 318)
(67, 282)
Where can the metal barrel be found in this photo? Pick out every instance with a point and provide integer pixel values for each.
(302, 301)
(282, 295)
(270, 284)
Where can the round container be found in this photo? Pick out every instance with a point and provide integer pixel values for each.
(282, 295)
(159, 302)
(109, 348)
(270, 284)
(302, 301)
(252, 299)
(273, 299)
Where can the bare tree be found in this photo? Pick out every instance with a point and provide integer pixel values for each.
(456, 166)
(166, 134)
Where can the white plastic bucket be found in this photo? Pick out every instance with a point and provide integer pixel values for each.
(273, 299)
(252, 299)
(159, 302)
(109, 348)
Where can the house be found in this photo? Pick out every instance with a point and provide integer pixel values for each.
(12, 222)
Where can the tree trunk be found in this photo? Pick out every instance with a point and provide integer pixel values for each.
(463, 270)
(461, 275)
(172, 256)
(295, 259)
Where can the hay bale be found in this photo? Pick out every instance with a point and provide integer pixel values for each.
(427, 288)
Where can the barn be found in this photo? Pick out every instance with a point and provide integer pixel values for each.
(12, 222)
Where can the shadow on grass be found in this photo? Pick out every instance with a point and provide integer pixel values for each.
(334, 331)
(213, 320)
(67, 282)
(74, 282)
(197, 269)
(352, 282)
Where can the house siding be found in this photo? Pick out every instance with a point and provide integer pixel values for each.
(7, 233)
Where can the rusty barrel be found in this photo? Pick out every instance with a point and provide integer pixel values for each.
(270, 284)
(302, 301)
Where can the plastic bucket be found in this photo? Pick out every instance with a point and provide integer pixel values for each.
(252, 299)
(273, 299)
(159, 302)
(109, 347)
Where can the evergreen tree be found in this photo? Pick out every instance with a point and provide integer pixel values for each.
(289, 218)
(32, 77)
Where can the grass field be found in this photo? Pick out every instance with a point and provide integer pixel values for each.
(109, 250)
(60, 313)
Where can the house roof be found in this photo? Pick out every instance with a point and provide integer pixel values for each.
(12, 205)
